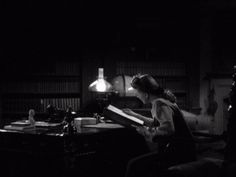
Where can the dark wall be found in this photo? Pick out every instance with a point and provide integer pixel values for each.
(217, 24)
(97, 34)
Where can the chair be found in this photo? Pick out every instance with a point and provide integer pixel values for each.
(206, 167)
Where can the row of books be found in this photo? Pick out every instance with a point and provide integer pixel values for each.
(43, 86)
(174, 85)
(21, 105)
(151, 67)
(61, 103)
(68, 68)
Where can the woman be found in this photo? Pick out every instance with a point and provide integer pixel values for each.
(166, 128)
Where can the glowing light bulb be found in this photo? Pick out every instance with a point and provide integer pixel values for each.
(100, 85)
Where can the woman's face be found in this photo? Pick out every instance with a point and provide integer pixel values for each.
(142, 96)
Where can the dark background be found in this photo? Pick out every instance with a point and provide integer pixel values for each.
(38, 34)
(34, 29)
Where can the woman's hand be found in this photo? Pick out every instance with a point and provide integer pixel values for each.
(129, 111)
(145, 131)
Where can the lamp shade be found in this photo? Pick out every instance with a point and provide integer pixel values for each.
(121, 84)
(100, 85)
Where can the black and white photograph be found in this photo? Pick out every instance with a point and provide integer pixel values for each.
(118, 88)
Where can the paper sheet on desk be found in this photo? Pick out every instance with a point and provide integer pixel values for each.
(45, 124)
(104, 125)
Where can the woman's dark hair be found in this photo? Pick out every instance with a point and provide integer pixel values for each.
(146, 83)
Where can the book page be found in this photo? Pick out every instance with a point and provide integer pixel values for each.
(120, 112)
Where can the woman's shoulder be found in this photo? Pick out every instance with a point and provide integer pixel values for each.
(162, 101)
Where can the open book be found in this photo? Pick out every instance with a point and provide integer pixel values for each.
(118, 116)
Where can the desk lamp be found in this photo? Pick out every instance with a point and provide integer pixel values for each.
(101, 87)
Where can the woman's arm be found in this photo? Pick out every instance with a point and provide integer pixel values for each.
(148, 121)
(165, 117)
(165, 128)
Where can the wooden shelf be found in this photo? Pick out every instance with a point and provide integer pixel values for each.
(22, 113)
(8, 117)
(57, 83)
(170, 75)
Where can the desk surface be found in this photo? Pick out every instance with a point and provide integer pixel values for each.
(92, 147)
(58, 131)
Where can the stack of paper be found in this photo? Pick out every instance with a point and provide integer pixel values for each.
(20, 125)
(46, 124)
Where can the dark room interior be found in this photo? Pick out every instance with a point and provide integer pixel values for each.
(52, 116)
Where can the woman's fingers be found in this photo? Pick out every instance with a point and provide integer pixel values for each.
(127, 111)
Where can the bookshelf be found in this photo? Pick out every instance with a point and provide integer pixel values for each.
(171, 75)
(58, 84)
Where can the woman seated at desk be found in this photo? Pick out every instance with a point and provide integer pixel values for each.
(166, 131)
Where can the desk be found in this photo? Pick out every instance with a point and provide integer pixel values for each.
(102, 150)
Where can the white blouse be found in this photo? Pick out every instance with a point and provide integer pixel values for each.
(162, 114)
